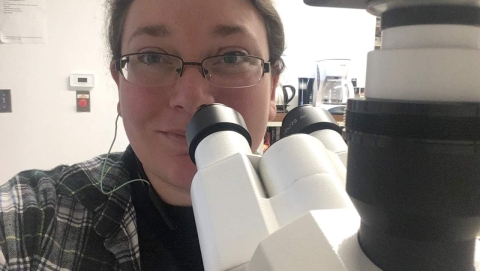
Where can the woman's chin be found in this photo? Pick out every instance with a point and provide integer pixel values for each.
(184, 172)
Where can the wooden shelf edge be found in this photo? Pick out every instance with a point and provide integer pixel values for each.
(279, 118)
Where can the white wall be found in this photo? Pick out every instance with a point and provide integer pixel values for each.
(315, 33)
(44, 129)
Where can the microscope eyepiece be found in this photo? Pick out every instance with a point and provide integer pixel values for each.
(308, 119)
(210, 119)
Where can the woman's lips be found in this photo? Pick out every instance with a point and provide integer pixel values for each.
(175, 136)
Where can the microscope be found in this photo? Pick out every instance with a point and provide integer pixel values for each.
(403, 195)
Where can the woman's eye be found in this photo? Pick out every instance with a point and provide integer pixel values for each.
(230, 59)
(150, 58)
(234, 57)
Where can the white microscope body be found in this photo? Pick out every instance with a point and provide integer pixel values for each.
(418, 126)
(287, 210)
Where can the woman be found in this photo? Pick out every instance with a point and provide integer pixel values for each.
(168, 58)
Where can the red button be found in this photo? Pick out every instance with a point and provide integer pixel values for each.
(82, 103)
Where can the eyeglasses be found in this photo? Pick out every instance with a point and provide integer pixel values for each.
(157, 69)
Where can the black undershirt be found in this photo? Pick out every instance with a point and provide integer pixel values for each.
(167, 234)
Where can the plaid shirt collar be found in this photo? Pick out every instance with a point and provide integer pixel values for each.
(109, 209)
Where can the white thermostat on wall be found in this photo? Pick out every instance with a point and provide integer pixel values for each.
(82, 81)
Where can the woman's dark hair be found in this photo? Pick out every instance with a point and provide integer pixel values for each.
(118, 9)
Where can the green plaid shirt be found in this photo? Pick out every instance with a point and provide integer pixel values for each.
(60, 220)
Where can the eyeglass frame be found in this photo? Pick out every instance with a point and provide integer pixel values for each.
(118, 65)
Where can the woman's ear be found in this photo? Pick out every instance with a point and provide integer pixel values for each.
(115, 74)
(116, 77)
(273, 106)
(275, 80)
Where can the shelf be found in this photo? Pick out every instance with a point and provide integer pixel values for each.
(274, 124)
(277, 121)
(279, 117)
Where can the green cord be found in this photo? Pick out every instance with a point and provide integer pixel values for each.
(102, 175)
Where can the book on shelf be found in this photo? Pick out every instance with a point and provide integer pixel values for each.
(272, 135)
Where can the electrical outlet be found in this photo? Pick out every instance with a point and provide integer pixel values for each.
(5, 101)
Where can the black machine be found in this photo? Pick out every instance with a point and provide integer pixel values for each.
(414, 142)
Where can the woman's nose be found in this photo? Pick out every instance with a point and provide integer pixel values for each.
(191, 90)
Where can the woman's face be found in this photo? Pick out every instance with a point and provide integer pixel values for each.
(155, 118)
